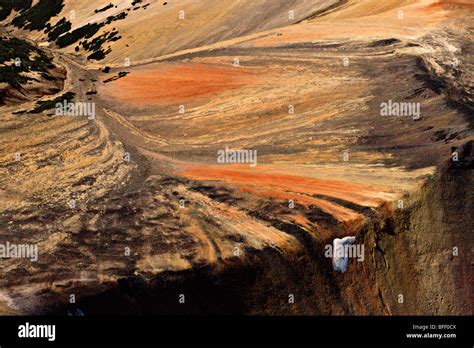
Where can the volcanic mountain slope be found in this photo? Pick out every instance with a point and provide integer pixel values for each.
(162, 27)
(132, 208)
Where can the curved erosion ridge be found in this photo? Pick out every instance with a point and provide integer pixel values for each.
(409, 267)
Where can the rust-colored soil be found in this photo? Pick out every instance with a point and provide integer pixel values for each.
(171, 83)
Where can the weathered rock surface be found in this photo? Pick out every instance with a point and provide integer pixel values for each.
(132, 209)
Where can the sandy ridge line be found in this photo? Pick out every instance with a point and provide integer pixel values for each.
(68, 82)
(225, 43)
(133, 129)
(212, 47)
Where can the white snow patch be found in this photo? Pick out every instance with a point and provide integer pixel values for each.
(340, 258)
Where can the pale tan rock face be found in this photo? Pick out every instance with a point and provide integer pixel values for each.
(138, 198)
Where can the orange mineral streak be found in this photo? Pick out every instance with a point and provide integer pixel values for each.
(451, 5)
(352, 192)
(369, 19)
(352, 220)
(170, 83)
(300, 189)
